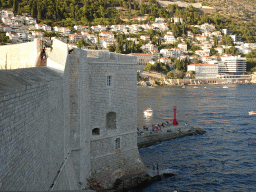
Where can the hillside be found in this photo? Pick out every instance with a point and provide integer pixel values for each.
(242, 11)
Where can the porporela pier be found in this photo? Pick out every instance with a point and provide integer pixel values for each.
(168, 132)
(164, 132)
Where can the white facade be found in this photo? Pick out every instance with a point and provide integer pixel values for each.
(233, 65)
(204, 71)
(169, 38)
(143, 58)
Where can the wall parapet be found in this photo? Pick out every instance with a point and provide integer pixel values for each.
(106, 56)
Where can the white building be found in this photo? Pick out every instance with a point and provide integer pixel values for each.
(143, 58)
(227, 31)
(183, 46)
(160, 20)
(105, 44)
(149, 47)
(204, 71)
(177, 20)
(174, 52)
(108, 35)
(81, 28)
(169, 38)
(165, 60)
(145, 37)
(232, 65)
(236, 38)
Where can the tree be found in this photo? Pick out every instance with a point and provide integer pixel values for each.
(111, 48)
(15, 7)
(157, 66)
(252, 54)
(149, 67)
(80, 43)
(196, 61)
(170, 75)
(177, 64)
(215, 39)
(213, 51)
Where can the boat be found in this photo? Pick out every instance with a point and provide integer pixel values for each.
(252, 113)
(183, 86)
(195, 87)
(148, 112)
(225, 87)
(251, 143)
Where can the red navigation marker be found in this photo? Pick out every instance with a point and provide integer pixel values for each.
(174, 120)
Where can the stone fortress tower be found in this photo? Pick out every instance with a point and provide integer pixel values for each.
(76, 119)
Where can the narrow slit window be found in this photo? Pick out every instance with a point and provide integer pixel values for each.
(117, 143)
(109, 80)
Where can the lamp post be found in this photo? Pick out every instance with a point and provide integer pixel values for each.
(174, 120)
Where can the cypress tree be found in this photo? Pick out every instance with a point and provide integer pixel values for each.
(14, 7)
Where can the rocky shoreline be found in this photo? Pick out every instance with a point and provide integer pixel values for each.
(181, 82)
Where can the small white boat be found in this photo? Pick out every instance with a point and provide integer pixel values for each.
(195, 87)
(225, 87)
(252, 113)
(148, 112)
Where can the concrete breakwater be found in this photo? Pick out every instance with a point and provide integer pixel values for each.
(149, 137)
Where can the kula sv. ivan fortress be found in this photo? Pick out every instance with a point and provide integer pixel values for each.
(71, 120)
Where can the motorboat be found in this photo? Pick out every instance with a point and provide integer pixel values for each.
(183, 86)
(252, 113)
(148, 112)
(225, 87)
(195, 87)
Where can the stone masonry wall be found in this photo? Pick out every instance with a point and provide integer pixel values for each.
(107, 162)
(80, 114)
(22, 55)
(31, 128)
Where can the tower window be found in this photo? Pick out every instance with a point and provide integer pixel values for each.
(96, 131)
(117, 143)
(109, 80)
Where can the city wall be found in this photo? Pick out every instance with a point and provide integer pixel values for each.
(31, 128)
(23, 55)
(48, 114)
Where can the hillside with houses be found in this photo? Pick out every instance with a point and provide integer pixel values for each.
(186, 40)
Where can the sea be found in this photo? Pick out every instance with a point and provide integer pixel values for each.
(219, 160)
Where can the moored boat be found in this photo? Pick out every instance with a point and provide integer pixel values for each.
(148, 112)
(252, 113)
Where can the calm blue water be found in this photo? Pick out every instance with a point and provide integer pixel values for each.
(219, 160)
